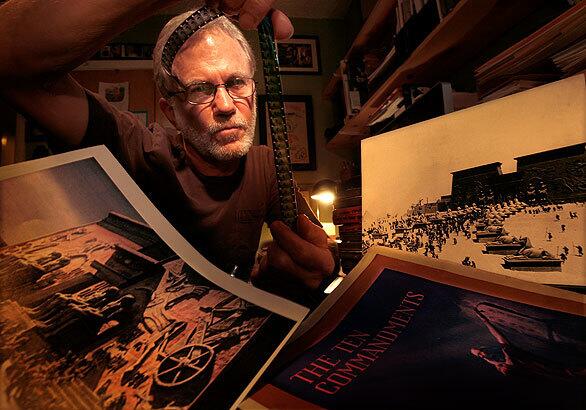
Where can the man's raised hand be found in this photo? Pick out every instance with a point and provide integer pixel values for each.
(251, 12)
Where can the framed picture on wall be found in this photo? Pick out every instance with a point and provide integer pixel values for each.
(116, 94)
(131, 51)
(299, 55)
(143, 116)
(299, 117)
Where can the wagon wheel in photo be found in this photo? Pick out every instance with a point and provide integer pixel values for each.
(185, 365)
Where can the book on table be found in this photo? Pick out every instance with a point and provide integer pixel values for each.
(406, 331)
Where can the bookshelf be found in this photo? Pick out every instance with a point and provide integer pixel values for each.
(372, 29)
(458, 38)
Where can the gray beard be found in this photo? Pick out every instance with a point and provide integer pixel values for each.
(208, 146)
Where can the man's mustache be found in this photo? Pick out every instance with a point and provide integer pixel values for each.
(213, 128)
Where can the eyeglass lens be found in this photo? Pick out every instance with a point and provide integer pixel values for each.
(205, 92)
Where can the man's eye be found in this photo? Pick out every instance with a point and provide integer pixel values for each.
(203, 88)
(236, 83)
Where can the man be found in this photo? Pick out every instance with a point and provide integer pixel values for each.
(205, 178)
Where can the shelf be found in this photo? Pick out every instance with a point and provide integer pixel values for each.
(116, 65)
(376, 23)
(459, 36)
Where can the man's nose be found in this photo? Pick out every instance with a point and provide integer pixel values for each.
(223, 102)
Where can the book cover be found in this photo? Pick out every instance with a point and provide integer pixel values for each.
(405, 331)
(104, 305)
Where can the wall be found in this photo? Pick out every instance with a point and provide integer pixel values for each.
(141, 89)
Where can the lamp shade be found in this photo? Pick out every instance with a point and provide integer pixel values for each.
(324, 191)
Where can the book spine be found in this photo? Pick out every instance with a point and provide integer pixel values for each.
(349, 202)
(347, 215)
(350, 228)
(351, 236)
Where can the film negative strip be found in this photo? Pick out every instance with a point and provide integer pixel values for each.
(278, 124)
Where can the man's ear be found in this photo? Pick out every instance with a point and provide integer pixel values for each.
(168, 110)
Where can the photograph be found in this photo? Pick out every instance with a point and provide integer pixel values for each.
(143, 116)
(300, 130)
(500, 186)
(299, 55)
(116, 94)
(127, 51)
(97, 311)
(133, 51)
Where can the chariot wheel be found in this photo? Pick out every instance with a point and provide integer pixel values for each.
(185, 365)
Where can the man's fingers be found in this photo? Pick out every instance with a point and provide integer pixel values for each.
(230, 7)
(282, 26)
(280, 263)
(253, 11)
(304, 253)
(311, 232)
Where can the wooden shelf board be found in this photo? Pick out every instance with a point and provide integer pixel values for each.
(375, 24)
(116, 65)
(349, 135)
(472, 24)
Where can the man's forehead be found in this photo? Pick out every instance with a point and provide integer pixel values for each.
(211, 51)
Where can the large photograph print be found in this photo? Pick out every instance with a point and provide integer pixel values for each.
(97, 310)
(500, 186)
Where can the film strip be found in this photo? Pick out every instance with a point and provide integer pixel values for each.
(278, 124)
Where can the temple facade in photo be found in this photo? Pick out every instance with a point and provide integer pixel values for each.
(553, 176)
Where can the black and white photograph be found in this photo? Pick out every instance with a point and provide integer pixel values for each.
(499, 186)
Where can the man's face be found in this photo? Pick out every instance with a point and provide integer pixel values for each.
(222, 130)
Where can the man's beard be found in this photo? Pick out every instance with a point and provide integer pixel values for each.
(226, 148)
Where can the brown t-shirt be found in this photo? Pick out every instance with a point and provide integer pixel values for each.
(221, 217)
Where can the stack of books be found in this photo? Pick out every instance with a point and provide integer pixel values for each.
(348, 215)
(414, 20)
(572, 60)
(560, 41)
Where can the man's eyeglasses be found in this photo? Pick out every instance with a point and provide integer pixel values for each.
(204, 92)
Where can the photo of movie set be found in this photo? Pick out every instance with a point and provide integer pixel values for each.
(504, 189)
(96, 311)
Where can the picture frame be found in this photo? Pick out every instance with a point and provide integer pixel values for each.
(143, 116)
(116, 94)
(300, 128)
(125, 51)
(299, 55)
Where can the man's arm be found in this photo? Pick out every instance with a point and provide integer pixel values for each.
(42, 41)
(38, 37)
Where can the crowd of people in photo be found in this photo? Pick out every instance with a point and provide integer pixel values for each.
(427, 232)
